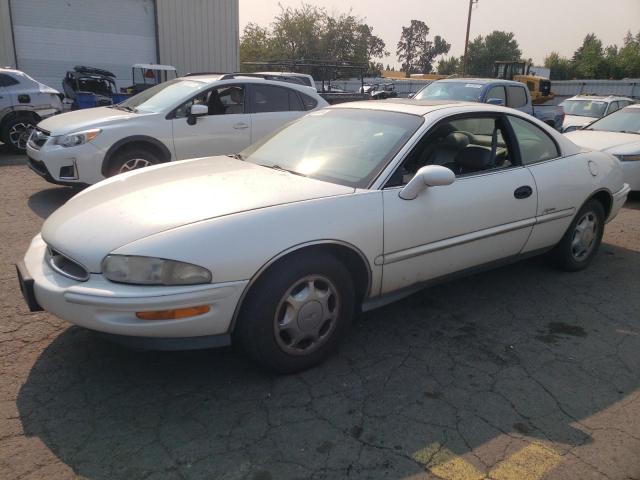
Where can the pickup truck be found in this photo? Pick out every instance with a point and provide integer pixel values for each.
(494, 91)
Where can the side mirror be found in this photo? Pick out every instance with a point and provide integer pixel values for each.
(196, 111)
(411, 95)
(428, 176)
(496, 101)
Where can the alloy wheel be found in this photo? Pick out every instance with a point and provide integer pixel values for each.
(584, 236)
(134, 164)
(19, 134)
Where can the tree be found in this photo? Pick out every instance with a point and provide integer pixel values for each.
(415, 51)
(449, 66)
(560, 67)
(588, 60)
(628, 59)
(310, 33)
(483, 52)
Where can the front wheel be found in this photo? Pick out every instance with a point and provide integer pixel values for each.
(297, 312)
(131, 159)
(15, 133)
(580, 243)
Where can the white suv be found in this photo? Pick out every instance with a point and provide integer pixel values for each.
(582, 110)
(189, 117)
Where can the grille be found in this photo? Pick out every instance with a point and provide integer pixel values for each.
(38, 138)
(66, 266)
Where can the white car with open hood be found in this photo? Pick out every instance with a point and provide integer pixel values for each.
(346, 209)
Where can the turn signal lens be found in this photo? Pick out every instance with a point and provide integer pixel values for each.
(174, 314)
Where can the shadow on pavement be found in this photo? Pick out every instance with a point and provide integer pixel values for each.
(45, 202)
(9, 157)
(523, 351)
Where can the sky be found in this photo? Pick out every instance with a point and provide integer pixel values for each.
(540, 26)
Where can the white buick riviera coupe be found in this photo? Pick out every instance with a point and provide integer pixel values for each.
(346, 209)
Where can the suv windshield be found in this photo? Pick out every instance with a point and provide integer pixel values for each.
(463, 91)
(626, 120)
(584, 108)
(161, 97)
(344, 146)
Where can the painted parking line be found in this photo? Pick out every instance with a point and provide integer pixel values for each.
(529, 463)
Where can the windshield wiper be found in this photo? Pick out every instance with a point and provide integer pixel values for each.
(629, 131)
(126, 108)
(237, 156)
(278, 167)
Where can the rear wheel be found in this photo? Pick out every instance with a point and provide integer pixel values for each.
(131, 159)
(15, 132)
(297, 312)
(581, 241)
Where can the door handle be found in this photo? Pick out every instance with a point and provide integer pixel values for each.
(523, 192)
(240, 126)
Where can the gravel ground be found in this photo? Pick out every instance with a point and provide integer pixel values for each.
(516, 374)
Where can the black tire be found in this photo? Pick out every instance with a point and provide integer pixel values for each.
(131, 159)
(15, 132)
(262, 331)
(566, 253)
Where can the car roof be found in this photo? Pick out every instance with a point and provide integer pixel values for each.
(600, 98)
(479, 81)
(292, 74)
(415, 107)
(207, 78)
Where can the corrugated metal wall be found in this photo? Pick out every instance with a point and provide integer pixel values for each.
(7, 57)
(199, 35)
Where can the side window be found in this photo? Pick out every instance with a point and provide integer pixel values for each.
(308, 102)
(295, 104)
(497, 92)
(466, 146)
(535, 145)
(613, 106)
(7, 81)
(268, 98)
(220, 101)
(517, 97)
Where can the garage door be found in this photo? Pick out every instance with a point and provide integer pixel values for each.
(53, 36)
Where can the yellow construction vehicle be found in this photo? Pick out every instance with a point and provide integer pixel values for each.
(539, 87)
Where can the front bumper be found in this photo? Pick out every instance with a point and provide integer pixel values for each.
(79, 165)
(108, 307)
(619, 198)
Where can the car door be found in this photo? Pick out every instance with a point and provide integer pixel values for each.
(517, 98)
(225, 130)
(560, 181)
(5, 94)
(485, 215)
(496, 92)
(271, 107)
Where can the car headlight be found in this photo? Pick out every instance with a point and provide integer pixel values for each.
(77, 138)
(629, 158)
(152, 271)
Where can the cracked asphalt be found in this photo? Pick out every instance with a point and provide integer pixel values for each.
(520, 373)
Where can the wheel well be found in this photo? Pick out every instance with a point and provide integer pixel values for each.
(19, 113)
(354, 261)
(605, 199)
(152, 147)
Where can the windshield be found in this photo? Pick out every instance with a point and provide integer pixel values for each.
(344, 146)
(463, 91)
(584, 108)
(161, 97)
(626, 120)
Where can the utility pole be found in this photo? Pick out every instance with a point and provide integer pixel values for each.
(466, 41)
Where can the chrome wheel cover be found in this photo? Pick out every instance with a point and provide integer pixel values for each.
(307, 315)
(19, 134)
(134, 164)
(584, 236)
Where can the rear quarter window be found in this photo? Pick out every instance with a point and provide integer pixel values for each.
(7, 81)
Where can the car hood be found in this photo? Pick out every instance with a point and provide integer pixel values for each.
(132, 206)
(615, 143)
(84, 119)
(576, 121)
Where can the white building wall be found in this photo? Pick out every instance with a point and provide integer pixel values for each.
(7, 57)
(199, 35)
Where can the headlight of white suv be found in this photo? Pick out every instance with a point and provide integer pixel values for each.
(77, 138)
(152, 271)
(629, 158)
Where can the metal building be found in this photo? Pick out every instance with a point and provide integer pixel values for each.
(45, 38)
